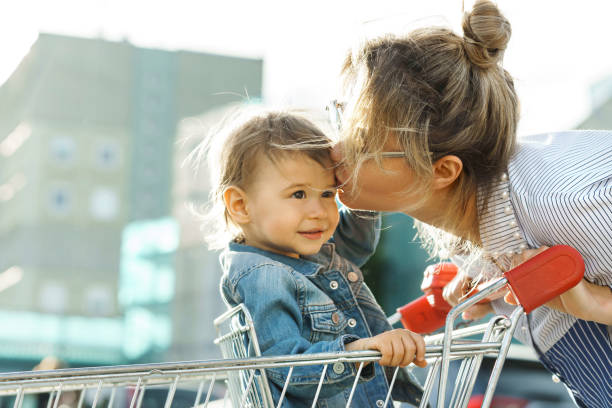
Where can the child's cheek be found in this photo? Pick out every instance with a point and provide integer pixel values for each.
(335, 218)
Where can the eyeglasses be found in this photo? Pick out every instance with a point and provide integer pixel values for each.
(335, 111)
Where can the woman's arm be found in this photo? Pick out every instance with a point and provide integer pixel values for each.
(586, 301)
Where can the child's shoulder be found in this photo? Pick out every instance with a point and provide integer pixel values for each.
(237, 262)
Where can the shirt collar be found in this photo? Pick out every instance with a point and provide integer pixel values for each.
(500, 232)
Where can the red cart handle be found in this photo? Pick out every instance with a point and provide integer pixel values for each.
(545, 276)
(533, 283)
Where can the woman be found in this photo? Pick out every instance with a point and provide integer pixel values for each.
(430, 130)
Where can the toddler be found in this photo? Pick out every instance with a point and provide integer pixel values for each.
(293, 260)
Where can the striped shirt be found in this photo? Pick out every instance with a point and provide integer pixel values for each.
(558, 190)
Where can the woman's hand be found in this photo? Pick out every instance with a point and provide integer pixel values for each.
(455, 291)
(399, 347)
(586, 301)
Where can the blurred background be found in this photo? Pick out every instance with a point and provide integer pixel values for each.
(101, 101)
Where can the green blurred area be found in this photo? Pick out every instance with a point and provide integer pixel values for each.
(395, 271)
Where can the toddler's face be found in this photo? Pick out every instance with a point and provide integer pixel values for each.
(291, 206)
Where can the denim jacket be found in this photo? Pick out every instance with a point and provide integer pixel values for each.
(316, 304)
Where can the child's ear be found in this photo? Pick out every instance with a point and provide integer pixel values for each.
(236, 204)
(446, 170)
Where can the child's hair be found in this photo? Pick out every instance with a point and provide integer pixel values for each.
(440, 94)
(234, 152)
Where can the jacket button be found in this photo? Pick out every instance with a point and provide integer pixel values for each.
(380, 403)
(333, 285)
(352, 276)
(352, 322)
(556, 378)
(338, 368)
(335, 317)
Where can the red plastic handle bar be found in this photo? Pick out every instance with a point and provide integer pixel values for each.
(545, 276)
(533, 283)
(420, 317)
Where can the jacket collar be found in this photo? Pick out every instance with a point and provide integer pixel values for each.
(309, 265)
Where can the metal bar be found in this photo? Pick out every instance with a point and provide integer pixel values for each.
(171, 392)
(59, 394)
(135, 394)
(391, 387)
(198, 394)
(497, 327)
(112, 398)
(95, 401)
(18, 398)
(246, 392)
(469, 369)
(458, 383)
(203, 367)
(316, 397)
(282, 396)
(497, 367)
(141, 395)
(50, 400)
(81, 398)
(348, 403)
(448, 330)
(208, 394)
(429, 382)
(433, 339)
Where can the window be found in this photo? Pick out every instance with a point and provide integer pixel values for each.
(53, 297)
(99, 300)
(60, 200)
(63, 150)
(107, 155)
(104, 204)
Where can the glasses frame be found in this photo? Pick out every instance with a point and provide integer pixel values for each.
(335, 110)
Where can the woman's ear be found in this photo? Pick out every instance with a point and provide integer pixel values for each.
(446, 170)
(235, 200)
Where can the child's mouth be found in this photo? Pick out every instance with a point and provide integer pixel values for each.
(314, 235)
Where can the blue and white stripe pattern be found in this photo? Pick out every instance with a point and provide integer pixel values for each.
(559, 191)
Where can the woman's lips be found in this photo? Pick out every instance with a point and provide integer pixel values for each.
(314, 235)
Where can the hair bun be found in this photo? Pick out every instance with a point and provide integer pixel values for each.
(486, 33)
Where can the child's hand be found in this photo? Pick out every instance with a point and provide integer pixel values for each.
(399, 347)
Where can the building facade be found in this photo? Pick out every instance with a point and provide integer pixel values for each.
(87, 133)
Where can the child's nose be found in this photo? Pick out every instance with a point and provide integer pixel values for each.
(317, 208)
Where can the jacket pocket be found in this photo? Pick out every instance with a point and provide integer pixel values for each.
(326, 325)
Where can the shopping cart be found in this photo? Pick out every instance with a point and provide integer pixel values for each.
(239, 379)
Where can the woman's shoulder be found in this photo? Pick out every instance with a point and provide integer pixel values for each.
(561, 162)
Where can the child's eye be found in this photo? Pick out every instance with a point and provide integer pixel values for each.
(299, 194)
(328, 194)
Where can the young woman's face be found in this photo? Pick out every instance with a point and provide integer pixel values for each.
(378, 188)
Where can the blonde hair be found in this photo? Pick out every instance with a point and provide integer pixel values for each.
(233, 153)
(439, 94)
